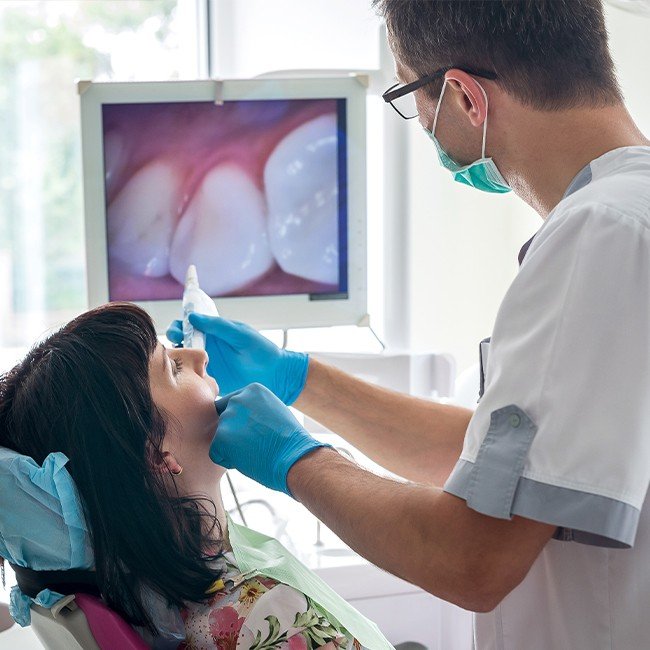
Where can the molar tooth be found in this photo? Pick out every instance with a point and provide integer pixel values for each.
(301, 181)
(223, 233)
(141, 220)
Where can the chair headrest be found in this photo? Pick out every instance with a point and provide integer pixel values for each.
(42, 525)
(42, 528)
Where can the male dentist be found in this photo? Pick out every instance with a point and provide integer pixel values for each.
(540, 526)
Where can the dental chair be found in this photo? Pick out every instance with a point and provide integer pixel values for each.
(78, 621)
(44, 538)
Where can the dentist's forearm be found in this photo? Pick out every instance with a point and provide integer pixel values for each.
(373, 515)
(417, 532)
(415, 438)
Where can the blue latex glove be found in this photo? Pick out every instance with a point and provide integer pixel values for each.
(240, 355)
(175, 333)
(258, 435)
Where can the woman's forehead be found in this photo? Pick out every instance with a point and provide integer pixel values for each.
(158, 361)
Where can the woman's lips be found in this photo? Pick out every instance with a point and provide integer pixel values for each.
(186, 157)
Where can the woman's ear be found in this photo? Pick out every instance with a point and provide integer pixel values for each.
(165, 463)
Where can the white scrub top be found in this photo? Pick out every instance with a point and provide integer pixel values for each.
(561, 433)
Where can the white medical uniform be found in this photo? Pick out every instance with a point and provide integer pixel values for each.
(561, 433)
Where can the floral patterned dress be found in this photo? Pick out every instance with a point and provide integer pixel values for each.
(258, 613)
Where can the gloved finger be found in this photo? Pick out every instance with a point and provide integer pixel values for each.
(175, 332)
(222, 328)
(216, 457)
(222, 403)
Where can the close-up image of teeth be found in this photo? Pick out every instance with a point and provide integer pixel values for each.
(248, 191)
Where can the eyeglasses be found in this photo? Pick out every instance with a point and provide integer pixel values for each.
(401, 97)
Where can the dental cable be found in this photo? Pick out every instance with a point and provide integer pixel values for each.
(372, 331)
(234, 494)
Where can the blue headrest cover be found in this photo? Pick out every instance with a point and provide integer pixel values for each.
(42, 525)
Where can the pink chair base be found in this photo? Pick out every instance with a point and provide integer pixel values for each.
(109, 629)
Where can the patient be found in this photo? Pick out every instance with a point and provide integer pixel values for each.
(136, 421)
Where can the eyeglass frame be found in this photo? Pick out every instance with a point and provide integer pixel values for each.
(395, 93)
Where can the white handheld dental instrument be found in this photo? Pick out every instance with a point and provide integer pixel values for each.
(195, 300)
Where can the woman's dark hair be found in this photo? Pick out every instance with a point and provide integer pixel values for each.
(549, 54)
(85, 391)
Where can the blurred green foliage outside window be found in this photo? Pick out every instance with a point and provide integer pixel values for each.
(45, 47)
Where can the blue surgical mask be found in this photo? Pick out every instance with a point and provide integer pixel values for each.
(482, 174)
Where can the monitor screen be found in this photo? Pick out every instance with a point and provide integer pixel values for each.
(260, 183)
(252, 192)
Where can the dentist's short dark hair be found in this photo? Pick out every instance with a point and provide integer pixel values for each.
(548, 54)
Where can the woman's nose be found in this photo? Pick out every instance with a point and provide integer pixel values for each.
(199, 361)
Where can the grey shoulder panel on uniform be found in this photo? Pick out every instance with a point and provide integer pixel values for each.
(500, 462)
(580, 516)
(493, 485)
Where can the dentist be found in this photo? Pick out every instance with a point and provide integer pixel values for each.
(540, 526)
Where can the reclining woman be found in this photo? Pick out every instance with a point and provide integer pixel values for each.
(136, 421)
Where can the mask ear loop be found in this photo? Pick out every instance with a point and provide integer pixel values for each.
(484, 121)
(435, 117)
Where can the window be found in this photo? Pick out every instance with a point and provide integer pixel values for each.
(44, 47)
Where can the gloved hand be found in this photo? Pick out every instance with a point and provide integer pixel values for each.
(239, 355)
(258, 435)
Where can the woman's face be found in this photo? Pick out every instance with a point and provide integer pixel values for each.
(181, 387)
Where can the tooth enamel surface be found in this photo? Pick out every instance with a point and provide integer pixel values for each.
(114, 158)
(223, 232)
(141, 220)
(301, 185)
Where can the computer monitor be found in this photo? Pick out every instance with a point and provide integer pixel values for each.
(259, 183)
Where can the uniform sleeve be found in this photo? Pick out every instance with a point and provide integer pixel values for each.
(562, 432)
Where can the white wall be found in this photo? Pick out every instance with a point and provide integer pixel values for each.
(464, 243)
(630, 44)
(285, 34)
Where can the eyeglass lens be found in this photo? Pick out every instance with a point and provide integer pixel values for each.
(406, 105)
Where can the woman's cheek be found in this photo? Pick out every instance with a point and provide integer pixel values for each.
(211, 419)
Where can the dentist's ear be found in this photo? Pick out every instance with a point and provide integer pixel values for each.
(469, 94)
(165, 463)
